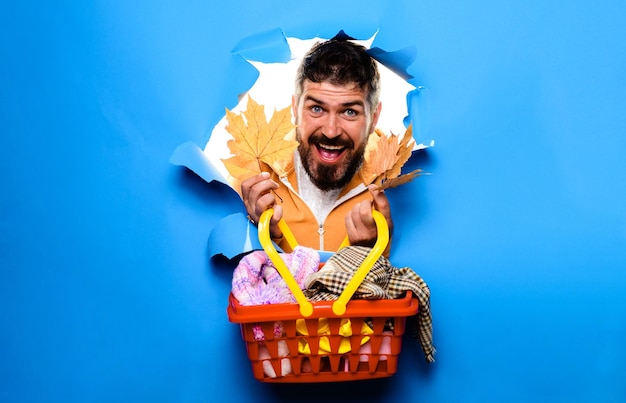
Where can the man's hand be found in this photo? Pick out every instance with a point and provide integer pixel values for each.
(360, 224)
(258, 196)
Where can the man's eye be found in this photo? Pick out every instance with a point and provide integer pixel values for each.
(316, 109)
(350, 113)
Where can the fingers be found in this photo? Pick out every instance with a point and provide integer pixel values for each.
(257, 194)
(363, 213)
(381, 203)
(360, 223)
(275, 232)
(357, 219)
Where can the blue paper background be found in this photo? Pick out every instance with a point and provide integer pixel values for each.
(106, 292)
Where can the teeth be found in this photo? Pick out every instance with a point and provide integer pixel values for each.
(331, 148)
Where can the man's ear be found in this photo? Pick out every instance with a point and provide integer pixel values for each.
(294, 107)
(376, 116)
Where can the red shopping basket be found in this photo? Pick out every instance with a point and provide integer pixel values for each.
(329, 341)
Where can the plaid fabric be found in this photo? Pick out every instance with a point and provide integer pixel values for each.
(384, 281)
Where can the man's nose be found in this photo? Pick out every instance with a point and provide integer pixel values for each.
(332, 126)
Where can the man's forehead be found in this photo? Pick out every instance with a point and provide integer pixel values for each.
(326, 91)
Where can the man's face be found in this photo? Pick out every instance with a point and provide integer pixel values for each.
(334, 122)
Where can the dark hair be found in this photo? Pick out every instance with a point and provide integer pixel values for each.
(340, 61)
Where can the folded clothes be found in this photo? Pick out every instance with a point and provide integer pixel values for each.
(257, 282)
(383, 281)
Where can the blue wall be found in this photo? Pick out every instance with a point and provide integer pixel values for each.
(106, 291)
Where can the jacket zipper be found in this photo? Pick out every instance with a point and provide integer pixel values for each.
(320, 230)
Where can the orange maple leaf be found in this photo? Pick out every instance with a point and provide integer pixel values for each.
(256, 141)
(400, 180)
(386, 154)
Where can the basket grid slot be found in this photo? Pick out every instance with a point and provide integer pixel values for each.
(279, 357)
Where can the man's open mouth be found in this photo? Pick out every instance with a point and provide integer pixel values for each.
(330, 154)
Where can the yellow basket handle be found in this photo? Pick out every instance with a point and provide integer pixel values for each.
(339, 306)
(306, 308)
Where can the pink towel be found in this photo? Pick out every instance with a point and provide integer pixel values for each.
(257, 282)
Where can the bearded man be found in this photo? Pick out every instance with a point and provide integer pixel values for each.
(320, 192)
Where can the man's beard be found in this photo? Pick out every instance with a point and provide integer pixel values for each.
(334, 176)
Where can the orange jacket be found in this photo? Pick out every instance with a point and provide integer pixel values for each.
(308, 232)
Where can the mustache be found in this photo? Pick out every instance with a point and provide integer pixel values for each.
(336, 141)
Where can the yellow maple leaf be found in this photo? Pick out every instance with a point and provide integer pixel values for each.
(386, 154)
(257, 141)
